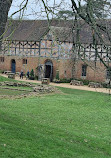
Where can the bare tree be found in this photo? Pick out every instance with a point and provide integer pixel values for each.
(4, 9)
(95, 14)
(91, 12)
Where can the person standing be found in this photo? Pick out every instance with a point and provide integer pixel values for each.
(27, 76)
(21, 74)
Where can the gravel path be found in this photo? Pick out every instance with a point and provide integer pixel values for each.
(67, 85)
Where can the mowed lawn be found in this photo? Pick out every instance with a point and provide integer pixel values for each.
(75, 124)
(12, 92)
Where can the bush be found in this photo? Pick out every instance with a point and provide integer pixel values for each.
(64, 80)
(106, 85)
(85, 82)
(31, 77)
(36, 77)
(1, 71)
(57, 74)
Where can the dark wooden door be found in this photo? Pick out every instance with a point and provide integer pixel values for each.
(13, 66)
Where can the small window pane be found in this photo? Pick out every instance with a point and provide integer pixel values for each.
(24, 61)
(1, 59)
(108, 73)
(84, 69)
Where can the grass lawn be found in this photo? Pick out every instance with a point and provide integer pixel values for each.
(76, 124)
(17, 87)
(11, 92)
(2, 79)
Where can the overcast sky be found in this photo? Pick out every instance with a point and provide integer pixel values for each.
(35, 8)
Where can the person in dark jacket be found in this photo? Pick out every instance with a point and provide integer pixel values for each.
(27, 75)
(21, 74)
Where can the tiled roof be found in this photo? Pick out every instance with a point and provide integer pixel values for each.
(34, 30)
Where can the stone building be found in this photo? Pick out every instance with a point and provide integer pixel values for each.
(48, 51)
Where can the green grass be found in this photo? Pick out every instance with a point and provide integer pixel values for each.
(2, 79)
(76, 124)
(17, 87)
(12, 92)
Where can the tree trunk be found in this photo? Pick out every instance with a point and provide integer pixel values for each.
(4, 9)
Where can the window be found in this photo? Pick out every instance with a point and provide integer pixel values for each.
(65, 73)
(108, 73)
(84, 70)
(49, 37)
(24, 61)
(1, 59)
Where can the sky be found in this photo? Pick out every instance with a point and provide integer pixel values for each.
(35, 9)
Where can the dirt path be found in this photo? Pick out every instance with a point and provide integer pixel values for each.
(66, 85)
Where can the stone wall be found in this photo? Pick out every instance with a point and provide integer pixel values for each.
(92, 74)
(35, 88)
(64, 67)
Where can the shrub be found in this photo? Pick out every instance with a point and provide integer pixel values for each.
(36, 77)
(31, 75)
(64, 80)
(85, 82)
(106, 85)
(1, 71)
(57, 74)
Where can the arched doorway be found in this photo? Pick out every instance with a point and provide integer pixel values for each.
(13, 65)
(49, 69)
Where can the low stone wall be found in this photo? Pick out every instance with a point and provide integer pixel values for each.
(35, 88)
(44, 89)
(16, 84)
(76, 83)
(95, 85)
(16, 89)
(11, 75)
